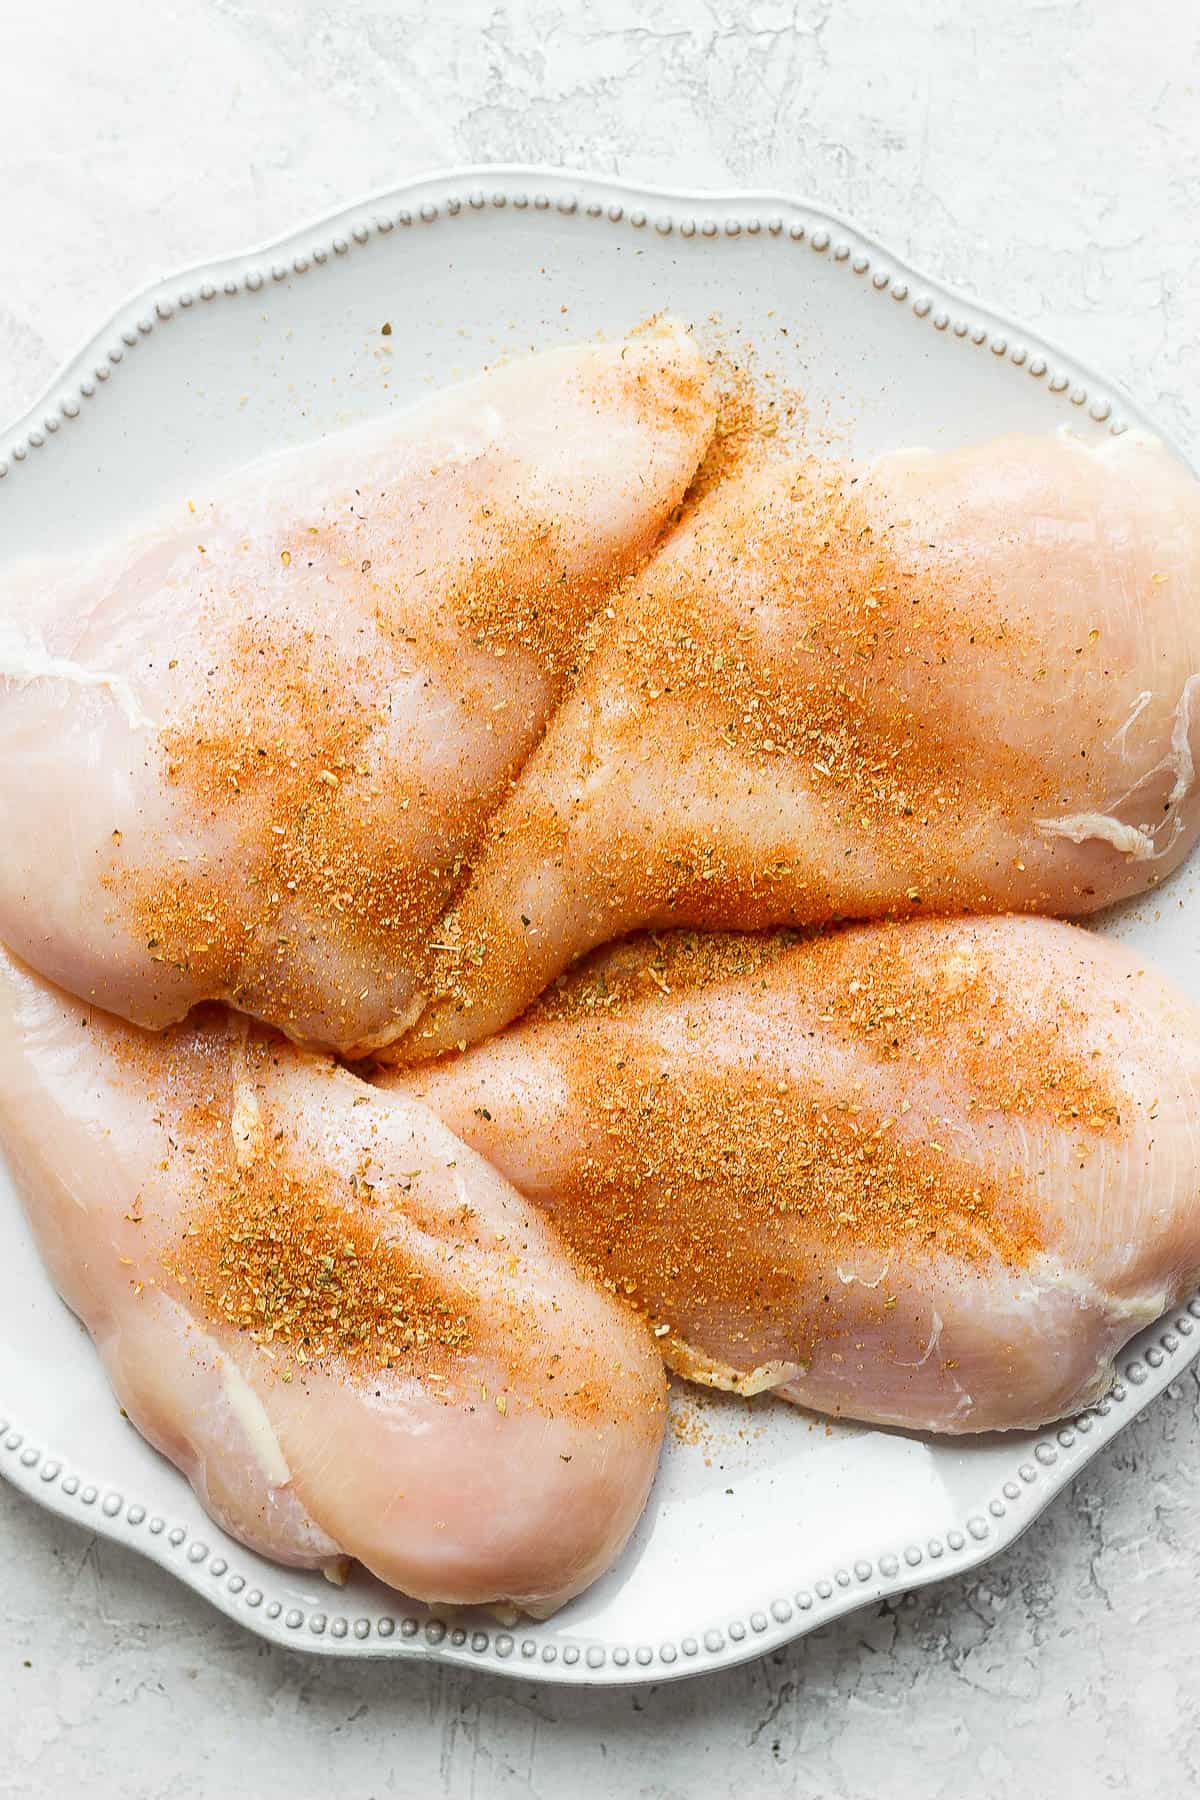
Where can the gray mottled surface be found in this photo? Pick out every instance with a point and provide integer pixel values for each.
(1045, 155)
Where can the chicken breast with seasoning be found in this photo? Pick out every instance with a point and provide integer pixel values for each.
(963, 682)
(247, 751)
(930, 1175)
(349, 1332)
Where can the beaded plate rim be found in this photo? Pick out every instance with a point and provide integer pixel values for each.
(463, 192)
(1158, 1357)
(1149, 1365)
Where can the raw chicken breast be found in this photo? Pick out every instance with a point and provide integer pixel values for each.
(246, 752)
(958, 682)
(931, 1175)
(350, 1334)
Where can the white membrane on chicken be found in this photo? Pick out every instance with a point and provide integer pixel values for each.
(958, 682)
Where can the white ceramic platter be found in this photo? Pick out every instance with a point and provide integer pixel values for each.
(764, 1523)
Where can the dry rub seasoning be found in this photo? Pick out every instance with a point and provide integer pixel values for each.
(721, 1192)
(366, 690)
(277, 1257)
(762, 688)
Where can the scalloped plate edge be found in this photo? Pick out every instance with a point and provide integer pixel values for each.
(1158, 1356)
(456, 192)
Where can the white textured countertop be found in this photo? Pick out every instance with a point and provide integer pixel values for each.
(1041, 153)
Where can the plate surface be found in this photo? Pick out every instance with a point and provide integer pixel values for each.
(764, 1522)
